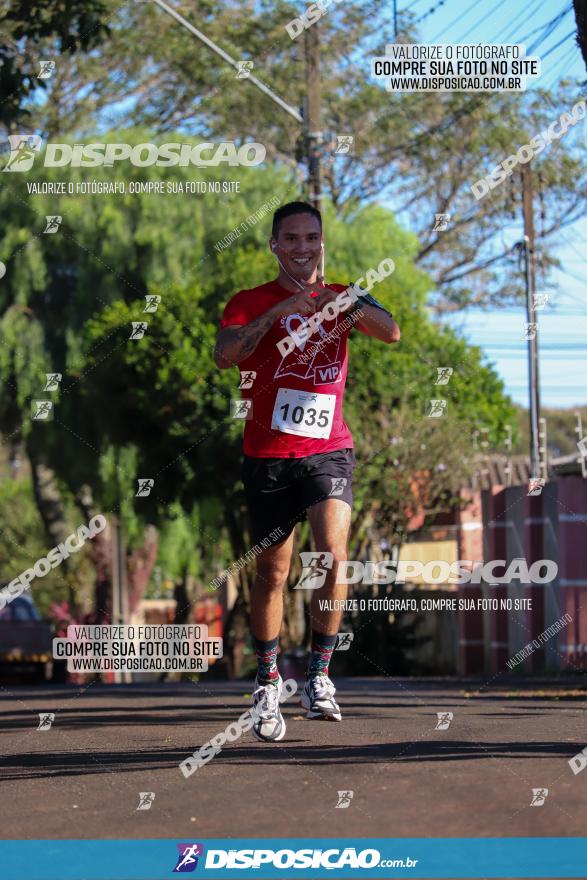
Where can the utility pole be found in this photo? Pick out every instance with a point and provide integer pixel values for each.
(313, 133)
(508, 446)
(527, 203)
(543, 449)
(312, 126)
(120, 609)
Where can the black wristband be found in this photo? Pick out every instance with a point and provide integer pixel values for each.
(354, 308)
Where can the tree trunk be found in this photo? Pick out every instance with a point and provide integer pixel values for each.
(101, 556)
(183, 593)
(581, 19)
(139, 566)
(51, 509)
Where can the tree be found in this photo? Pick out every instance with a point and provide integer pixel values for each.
(418, 152)
(33, 33)
(155, 407)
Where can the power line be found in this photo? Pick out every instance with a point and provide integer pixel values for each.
(431, 11)
(472, 28)
(460, 16)
(519, 15)
(566, 37)
(549, 28)
(541, 26)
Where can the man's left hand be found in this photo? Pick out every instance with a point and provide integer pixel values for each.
(326, 295)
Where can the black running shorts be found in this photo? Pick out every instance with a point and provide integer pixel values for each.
(279, 490)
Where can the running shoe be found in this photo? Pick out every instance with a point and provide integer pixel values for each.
(318, 699)
(268, 723)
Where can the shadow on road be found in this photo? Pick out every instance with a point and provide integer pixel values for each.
(49, 765)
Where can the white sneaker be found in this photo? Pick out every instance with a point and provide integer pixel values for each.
(268, 723)
(318, 698)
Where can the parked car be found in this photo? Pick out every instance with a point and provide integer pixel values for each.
(25, 641)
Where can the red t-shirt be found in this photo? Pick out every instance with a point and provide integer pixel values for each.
(297, 396)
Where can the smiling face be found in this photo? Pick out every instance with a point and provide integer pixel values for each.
(298, 246)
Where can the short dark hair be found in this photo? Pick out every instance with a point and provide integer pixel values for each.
(293, 208)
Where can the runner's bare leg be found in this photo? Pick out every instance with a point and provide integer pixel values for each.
(267, 594)
(330, 521)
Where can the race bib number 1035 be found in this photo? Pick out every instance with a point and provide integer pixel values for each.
(304, 413)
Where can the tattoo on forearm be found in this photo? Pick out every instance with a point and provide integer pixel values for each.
(244, 340)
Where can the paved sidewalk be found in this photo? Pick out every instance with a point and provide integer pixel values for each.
(82, 778)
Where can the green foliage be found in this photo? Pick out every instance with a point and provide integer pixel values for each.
(32, 32)
(23, 541)
(157, 407)
(561, 433)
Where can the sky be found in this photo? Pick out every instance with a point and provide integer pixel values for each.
(563, 323)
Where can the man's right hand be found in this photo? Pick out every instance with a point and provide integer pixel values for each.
(300, 303)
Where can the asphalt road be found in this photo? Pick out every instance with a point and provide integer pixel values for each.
(82, 777)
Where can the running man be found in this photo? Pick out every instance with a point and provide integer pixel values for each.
(298, 450)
